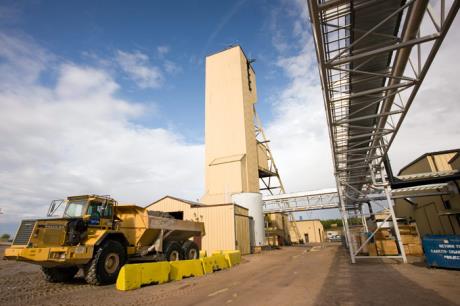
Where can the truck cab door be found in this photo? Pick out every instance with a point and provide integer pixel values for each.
(107, 216)
(101, 215)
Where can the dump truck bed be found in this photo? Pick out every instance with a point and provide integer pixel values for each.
(136, 220)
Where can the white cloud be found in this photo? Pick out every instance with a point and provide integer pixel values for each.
(298, 133)
(20, 64)
(137, 66)
(171, 67)
(162, 50)
(77, 137)
(432, 121)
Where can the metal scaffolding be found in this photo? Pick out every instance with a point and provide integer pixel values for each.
(373, 56)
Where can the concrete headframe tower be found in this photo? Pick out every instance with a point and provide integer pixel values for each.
(232, 157)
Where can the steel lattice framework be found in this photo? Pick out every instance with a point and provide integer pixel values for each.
(373, 56)
(270, 178)
(302, 201)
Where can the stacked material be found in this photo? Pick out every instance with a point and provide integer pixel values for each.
(411, 240)
(385, 243)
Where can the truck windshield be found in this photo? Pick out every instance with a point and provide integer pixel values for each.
(75, 208)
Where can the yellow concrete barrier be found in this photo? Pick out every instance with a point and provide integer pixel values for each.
(233, 257)
(208, 264)
(203, 253)
(185, 268)
(219, 261)
(133, 276)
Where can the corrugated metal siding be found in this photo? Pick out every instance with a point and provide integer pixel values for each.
(220, 227)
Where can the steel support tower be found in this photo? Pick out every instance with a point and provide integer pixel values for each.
(373, 56)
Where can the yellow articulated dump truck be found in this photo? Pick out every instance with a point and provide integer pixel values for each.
(95, 234)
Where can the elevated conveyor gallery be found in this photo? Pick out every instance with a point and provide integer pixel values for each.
(373, 57)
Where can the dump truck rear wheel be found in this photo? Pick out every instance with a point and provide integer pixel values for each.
(173, 251)
(106, 263)
(191, 250)
(57, 275)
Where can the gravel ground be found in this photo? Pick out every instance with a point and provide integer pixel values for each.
(291, 276)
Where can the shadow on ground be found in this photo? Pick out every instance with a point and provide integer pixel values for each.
(372, 283)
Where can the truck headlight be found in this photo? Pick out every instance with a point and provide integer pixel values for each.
(57, 255)
(80, 249)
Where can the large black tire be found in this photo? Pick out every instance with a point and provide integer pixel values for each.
(58, 275)
(191, 250)
(173, 251)
(106, 263)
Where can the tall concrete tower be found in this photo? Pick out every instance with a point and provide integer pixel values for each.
(232, 157)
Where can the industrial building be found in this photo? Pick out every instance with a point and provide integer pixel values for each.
(310, 231)
(226, 225)
(435, 207)
(277, 229)
(235, 160)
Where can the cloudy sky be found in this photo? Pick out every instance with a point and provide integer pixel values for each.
(108, 98)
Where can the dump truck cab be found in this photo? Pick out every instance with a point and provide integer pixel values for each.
(94, 233)
(69, 223)
(97, 210)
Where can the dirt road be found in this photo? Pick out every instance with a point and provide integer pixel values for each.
(291, 276)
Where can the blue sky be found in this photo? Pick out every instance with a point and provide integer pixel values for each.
(89, 33)
(107, 97)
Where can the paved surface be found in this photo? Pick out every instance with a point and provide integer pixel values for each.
(291, 276)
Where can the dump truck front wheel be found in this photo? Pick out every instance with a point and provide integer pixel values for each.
(106, 263)
(191, 250)
(173, 251)
(57, 275)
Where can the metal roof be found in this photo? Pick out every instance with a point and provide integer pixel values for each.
(426, 175)
(423, 188)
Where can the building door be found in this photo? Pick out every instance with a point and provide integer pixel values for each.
(306, 238)
(242, 235)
